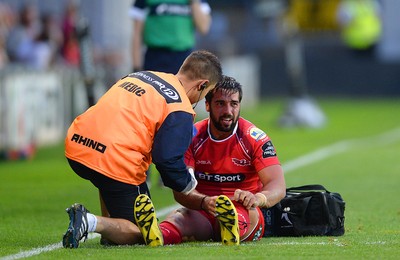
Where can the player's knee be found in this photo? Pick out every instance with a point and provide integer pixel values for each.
(251, 224)
(192, 225)
(177, 218)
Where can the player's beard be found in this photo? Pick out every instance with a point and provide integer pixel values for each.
(220, 125)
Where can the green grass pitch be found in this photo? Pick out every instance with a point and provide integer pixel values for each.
(361, 148)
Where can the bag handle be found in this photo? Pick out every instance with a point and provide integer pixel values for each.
(308, 187)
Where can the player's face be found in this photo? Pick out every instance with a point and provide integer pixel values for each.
(224, 112)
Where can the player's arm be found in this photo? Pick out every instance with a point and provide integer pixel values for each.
(274, 186)
(137, 39)
(196, 200)
(270, 173)
(170, 143)
(273, 190)
(138, 15)
(201, 16)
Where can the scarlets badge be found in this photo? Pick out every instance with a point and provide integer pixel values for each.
(257, 133)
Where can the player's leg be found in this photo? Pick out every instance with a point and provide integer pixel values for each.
(104, 213)
(117, 231)
(121, 227)
(117, 197)
(251, 223)
(184, 225)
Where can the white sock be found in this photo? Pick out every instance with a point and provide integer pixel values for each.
(92, 222)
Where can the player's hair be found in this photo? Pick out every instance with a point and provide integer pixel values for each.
(202, 64)
(227, 84)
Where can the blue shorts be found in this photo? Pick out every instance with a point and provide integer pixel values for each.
(164, 60)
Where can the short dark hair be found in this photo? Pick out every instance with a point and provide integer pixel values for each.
(202, 64)
(227, 84)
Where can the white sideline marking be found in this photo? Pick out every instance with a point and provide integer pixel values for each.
(33, 252)
(335, 243)
(36, 251)
(386, 138)
(318, 155)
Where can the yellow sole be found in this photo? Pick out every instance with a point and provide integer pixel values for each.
(146, 220)
(228, 220)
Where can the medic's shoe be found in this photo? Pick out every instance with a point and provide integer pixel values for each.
(146, 220)
(228, 220)
(78, 226)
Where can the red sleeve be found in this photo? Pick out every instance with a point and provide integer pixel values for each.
(189, 160)
(263, 152)
(200, 133)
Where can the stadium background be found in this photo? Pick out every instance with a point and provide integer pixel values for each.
(356, 154)
(248, 43)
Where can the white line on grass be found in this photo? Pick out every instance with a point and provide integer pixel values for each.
(288, 243)
(318, 155)
(36, 251)
(386, 138)
(33, 252)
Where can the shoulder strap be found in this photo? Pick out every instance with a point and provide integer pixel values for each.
(311, 187)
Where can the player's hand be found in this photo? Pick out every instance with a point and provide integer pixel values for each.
(248, 199)
(208, 204)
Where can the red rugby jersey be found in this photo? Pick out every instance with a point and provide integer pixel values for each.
(222, 166)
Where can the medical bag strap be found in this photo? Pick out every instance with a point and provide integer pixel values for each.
(311, 187)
